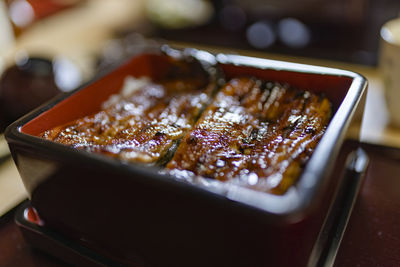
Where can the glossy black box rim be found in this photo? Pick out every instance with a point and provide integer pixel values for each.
(293, 204)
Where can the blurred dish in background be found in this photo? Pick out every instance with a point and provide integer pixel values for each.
(24, 86)
(31, 81)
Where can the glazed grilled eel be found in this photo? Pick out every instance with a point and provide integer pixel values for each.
(146, 121)
(254, 133)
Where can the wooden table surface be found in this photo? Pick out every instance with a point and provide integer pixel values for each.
(81, 32)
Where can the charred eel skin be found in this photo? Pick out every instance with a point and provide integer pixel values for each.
(254, 133)
(146, 124)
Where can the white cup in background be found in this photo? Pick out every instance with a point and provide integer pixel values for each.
(389, 64)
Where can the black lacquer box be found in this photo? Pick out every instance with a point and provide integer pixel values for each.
(133, 215)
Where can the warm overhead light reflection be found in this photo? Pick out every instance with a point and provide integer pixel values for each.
(260, 35)
(66, 74)
(294, 33)
(21, 13)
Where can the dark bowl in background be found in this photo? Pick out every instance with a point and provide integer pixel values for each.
(136, 216)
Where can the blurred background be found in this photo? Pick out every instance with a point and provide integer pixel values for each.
(346, 30)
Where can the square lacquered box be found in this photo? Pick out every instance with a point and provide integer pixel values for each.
(136, 216)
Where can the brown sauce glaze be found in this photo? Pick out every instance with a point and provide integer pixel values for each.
(255, 134)
(145, 123)
(252, 133)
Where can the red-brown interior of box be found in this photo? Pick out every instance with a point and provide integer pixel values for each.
(89, 100)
